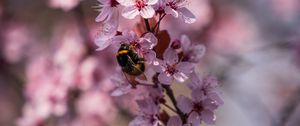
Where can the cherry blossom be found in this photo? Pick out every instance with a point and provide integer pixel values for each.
(170, 68)
(177, 9)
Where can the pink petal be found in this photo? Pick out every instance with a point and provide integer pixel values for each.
(198, 95)
(150, 40)
(121, 90)
(216, 97)
(171, 11)
(184, 104)
(102, 43)
(170, 56)
(209, 104)
(199, 51)
(194, 119)
(158, 66)
(147, 12)
(165, 78)
(127, 3)
(180, 77)
(150, 56)
(174, 121)
(105, 11)
(186, 42)
(151, 2)
(185, 67)
(208, 117)
(187, 15)
(130, 12)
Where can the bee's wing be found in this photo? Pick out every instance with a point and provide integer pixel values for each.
(142, 76)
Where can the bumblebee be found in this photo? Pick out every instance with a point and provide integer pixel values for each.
(129, 60)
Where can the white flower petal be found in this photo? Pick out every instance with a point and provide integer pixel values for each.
(127, 2)
(174, 121)
(164, 78)
(147, 12)
(130, 12)
(102, 43)
(169, 10)
(185, 42)
(151, 2)
(105, 11)
(148, 41)
(180, 77)
(194, 119)
(158, 66)
(208, 117)
(185, 67)
(121, 90)
(170, 56)
(184, 104)
(187, 15)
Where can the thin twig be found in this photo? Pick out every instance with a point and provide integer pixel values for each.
(147, 25)
(170, 93)
(169, 107)
(158, 23)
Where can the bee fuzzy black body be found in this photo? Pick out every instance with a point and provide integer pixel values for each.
(130, 62)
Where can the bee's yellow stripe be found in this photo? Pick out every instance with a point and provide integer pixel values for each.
(123, 52)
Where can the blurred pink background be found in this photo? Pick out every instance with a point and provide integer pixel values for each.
(51, 73)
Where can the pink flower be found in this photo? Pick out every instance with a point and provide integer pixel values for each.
(171, 68)
(138, 7)
(203, 102)
(198, 108)
(177, 9)
(207, 86)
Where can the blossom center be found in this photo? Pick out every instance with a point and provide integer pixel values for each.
(171, 69)
(140, 4)
(172, 5)
(198, 107)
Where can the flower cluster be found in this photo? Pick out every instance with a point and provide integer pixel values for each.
(166, 62)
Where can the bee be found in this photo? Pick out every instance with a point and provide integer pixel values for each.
(129, 60)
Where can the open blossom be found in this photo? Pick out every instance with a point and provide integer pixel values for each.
(138, 7)
(191, 53)
(177, 9)
(207, 86)
(198, 108)
(203, 102)
(171, 68)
